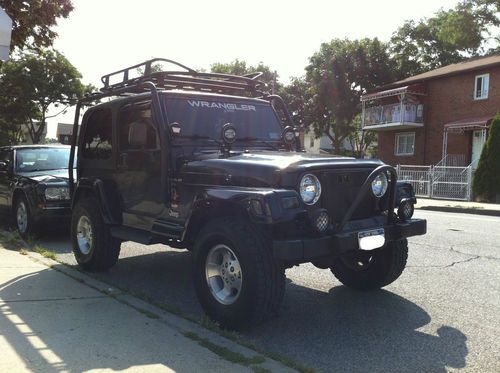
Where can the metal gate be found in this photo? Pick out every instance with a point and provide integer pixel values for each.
(418, 176)
(446, 182)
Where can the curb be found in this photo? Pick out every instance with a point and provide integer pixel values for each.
(461, 210)
(180, 324)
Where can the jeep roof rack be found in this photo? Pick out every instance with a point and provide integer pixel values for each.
(183, 78)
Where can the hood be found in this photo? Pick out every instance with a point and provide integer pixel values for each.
(266, 169)
(48, 177)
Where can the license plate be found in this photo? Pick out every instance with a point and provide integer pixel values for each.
(372, 239)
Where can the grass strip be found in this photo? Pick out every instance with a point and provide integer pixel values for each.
(225, 353)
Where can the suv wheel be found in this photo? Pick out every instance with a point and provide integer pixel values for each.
(23, 218)
(238, 282)
(93, 246)
(370, 270)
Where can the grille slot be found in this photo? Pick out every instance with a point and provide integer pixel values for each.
(340, 188)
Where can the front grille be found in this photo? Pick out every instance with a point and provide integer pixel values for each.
(339, 190)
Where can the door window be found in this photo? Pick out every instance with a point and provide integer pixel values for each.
(136, 129)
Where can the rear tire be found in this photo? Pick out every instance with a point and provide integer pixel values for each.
(252, 292)
(371, 270)
(93, 246)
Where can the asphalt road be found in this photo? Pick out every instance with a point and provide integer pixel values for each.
(442, 314)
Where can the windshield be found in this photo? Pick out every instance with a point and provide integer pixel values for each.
(206, 117)
(42, 159)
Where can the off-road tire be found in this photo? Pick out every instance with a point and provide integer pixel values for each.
(386, 266)
(263, 284)
(31, 229)
(105, 249)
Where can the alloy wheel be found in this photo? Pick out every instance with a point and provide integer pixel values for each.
(84, 234)
(223, 274)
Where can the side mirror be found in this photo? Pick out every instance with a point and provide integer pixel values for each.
(4, 166)
(175, 129)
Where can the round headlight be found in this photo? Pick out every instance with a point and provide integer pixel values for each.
(379, 185)
(310, 189)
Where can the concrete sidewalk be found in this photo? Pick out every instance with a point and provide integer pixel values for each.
(58, 319)
(458, 206)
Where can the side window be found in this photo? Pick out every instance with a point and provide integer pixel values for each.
(98, 136)
(481, 86)
(136, 131)
(5, 156)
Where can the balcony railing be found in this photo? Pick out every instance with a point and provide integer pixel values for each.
(393, 114)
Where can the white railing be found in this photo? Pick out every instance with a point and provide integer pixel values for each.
(418, 176)
(455, 160)
(393, 113)
(452, 182)
(446, 182)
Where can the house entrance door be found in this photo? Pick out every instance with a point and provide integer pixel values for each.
(478, 140)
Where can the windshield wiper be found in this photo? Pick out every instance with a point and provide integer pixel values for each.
(255, 139)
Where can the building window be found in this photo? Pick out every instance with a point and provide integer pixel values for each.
(405, 143)
(481, 86)
(311, 142)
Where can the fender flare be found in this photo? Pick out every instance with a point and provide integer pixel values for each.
(260, 207)
(94, 188)
(404, 192)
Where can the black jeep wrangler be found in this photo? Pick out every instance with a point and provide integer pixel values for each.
(212, 163)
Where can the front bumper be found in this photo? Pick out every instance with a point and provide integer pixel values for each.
(305, 250)
(50, 213)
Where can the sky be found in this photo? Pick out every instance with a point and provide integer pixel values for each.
(101, 36)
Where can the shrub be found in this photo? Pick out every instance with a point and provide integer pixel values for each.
(487, 178)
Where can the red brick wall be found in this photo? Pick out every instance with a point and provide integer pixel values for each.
(448, 99)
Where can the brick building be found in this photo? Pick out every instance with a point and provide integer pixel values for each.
(438, 116)
(64, 133)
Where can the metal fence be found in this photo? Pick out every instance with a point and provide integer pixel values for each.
(418, 176)
(446, 182)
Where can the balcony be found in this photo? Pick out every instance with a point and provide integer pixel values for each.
(393, 117)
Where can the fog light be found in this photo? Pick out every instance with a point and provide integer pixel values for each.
(322, 221)
(405, 210)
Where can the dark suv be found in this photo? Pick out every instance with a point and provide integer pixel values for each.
(211, 163)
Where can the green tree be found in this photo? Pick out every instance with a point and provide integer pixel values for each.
(32, 20)
(360, 140)
(297, 96)
(337, 75)
(448, 37)
(238, 67)
(487, 177)
(34, 82)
